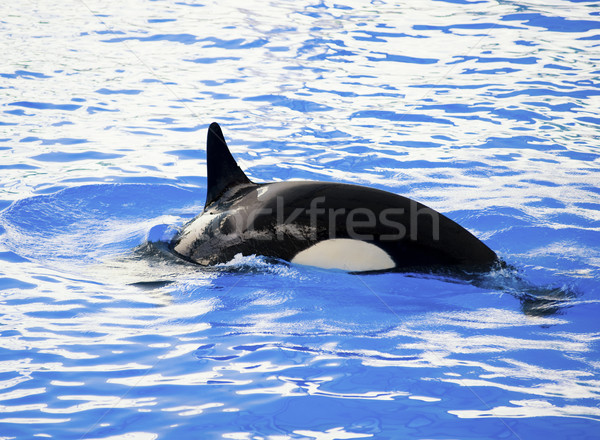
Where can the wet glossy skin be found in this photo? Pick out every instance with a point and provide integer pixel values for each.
(281, 219)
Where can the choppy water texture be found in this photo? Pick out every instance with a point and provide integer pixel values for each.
(486, 111)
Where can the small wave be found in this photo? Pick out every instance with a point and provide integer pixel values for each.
(536, 299)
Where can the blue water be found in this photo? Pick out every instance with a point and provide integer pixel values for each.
(486, 111)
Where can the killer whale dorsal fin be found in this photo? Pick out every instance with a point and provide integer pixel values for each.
(222, 171)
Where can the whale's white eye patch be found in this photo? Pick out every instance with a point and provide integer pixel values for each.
(196, 229)
(345, 254)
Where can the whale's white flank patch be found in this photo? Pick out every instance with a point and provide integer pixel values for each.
(345, 254)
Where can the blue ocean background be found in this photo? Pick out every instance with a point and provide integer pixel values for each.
(487, 111)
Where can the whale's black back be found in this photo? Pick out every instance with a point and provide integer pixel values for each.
(283, 219)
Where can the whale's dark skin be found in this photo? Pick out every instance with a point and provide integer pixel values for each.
(282, 219)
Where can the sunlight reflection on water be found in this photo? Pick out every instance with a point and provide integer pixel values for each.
(485, 111)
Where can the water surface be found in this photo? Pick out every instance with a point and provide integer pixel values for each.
(485, 111)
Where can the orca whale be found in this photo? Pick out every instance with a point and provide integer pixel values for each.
(324, 224)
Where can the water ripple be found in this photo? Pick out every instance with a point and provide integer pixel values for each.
(486, 111)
